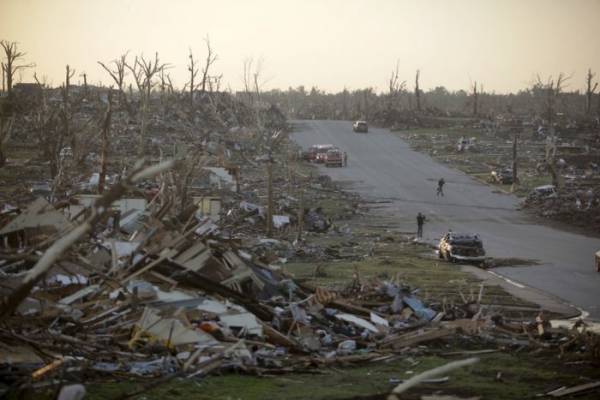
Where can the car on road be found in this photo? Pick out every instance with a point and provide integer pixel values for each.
(466, 247)
(316, 152)
(321, 152)
(334, 158)
(503, 176)
(360, 126)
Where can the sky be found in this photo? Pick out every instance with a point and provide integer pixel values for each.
(331, 44)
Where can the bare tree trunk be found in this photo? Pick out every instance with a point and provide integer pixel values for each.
(475, 100)
(193, 69)
(67, 110)
(144, 72)
(418, 91)
(210, 59)
(105, 143)
(85, 85)
(10, 66)
(590, 91)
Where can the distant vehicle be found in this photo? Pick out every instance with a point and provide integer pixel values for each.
(334, 158)
(503, 176)
(466, 247)
(543, 192)
(316, 152)
(360, 126)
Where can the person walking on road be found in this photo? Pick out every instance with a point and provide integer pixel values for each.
(345, 159)
(420, 222)
(440, 188)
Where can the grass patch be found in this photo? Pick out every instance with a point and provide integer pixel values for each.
(520, 377)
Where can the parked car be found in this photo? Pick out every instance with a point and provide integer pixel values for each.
(320, 152)
(360, 126)
(334, 158)
(543, 192)
(466, 247)
(503, 176)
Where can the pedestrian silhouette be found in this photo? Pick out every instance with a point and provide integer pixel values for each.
(440, 188)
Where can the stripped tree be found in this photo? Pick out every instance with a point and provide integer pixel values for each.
(12, 63)
(66, 114)
(589, 93)
(192, 85)
(418, 91)
(551, 89)
(117, 72)
(144, 72)
(105, 142)
(211, 57)
(396, 87)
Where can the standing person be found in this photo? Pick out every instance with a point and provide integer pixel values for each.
(420, 222)
(440, 189)
(345, 159)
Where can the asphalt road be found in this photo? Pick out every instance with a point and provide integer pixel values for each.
(383, 167)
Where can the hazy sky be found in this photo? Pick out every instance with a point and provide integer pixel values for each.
(327, 43)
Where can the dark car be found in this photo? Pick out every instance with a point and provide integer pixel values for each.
(360, 126)
(466, 247)
(316, 152)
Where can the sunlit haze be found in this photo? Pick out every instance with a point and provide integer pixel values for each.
(330, 44)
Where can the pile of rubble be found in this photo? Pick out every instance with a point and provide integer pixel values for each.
(146, 296)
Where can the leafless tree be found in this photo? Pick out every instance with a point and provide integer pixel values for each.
(192, 85)
(144, 72)
(183, 173)
(118, 72)
(475, 98)
(66, 114)
(552, 89)
(12, 63)
(211, 57)
(418, 91)
(45, 123)
(589, 93)
(105, 142)
(395, 86)
(247, 79)
(85, 85)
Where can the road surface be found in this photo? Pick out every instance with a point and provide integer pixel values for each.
(383, 167)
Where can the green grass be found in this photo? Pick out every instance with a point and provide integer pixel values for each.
(522, 376)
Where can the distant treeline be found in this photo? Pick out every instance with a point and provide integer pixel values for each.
(398, 106)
